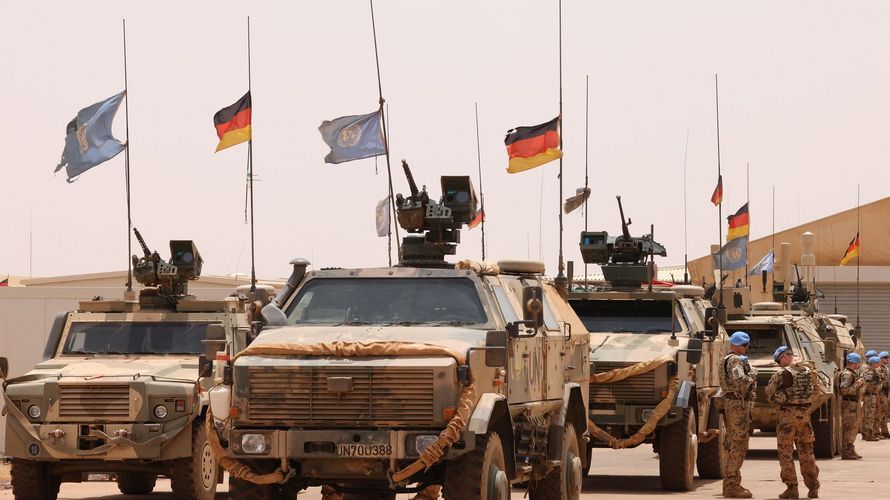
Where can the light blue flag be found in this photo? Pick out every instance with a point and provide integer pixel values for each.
(765, 264)
(353, 137)
(89, 141)
(735, 255)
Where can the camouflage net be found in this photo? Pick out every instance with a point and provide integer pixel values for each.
(619, 374)
(234, 467)
(659, 411)
(482, 268)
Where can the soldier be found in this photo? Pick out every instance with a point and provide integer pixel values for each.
(873, 384)
(885, 394)
(737, 382)
(850, 384)
(793, 388)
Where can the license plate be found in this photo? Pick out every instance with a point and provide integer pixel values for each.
(364, 450)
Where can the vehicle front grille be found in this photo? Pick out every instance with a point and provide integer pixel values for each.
(94, 402)
(379, 396)
(639, 388)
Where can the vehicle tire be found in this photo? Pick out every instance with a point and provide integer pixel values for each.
(711, 454)
(825, 445)
(589, 462)
(678, 449)
(136, 483)
(480, 474)
(31, 481)
(195, 477)
(563, 483)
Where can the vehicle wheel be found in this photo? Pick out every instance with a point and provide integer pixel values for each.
(31, 481)
(564, 483)
(589, 462)
(480, 474)
(678, 447)
(136, 483)
(194, 478)
(824, 445)
(711, 454)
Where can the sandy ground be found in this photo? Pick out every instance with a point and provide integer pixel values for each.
(628, 473)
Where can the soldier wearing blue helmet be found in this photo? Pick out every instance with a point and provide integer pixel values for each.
(794, 388)
(850, 386)
(873, 383)
(737, 383)
(885, 394)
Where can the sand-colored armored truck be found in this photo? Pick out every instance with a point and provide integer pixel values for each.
(653, 359)
(385, 380)
(118, 390)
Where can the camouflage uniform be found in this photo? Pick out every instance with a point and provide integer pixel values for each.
(885, 400)
(850, 384)
(793, 388)
(737, 380)
(873, 384)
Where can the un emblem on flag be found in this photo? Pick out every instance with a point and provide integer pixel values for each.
(734, 255)
(350, 136)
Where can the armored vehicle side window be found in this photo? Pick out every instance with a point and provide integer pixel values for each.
(627, 316)
(764, 341)
(128, 337)
(387, 301)
(507, 309)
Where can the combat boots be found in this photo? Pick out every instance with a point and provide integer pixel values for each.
(736, 492)
(790, 492)
(813, 493)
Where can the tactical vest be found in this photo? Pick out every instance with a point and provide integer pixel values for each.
(797, 381)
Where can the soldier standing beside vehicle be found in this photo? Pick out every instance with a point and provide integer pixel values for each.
(737, 381)
(793, 388)
(885, 395)
(873, 383)
(850, 385)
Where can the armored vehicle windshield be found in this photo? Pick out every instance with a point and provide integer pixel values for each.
(627, 316)
(387, 301)
(129, 337)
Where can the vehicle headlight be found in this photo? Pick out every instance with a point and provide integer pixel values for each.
(253, 444)
(34, 411)
(423, 442)
(160, 411)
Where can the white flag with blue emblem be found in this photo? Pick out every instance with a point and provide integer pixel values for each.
(89, 141)
(353, 137)
(765, 264)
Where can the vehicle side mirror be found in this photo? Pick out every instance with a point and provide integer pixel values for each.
(205, 366)
(4, 367)
(273, 316)
(533, 306)
(496, 349)
(214, 340)
(712, 322)
(693, 351)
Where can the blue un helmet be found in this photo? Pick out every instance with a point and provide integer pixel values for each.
(884, 354)
(739, 338)
(870, 353)
(854, 358)
(780, 352)
(874, 359)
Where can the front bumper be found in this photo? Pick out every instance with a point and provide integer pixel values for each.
(623, 420)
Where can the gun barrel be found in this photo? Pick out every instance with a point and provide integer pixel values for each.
(411, 184)
(624, 230)
(142, 242)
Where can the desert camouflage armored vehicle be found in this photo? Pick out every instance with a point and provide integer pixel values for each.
(659, 337)
(118, 389)
(385, 380)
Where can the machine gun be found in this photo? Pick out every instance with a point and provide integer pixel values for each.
(438, 223)
(166, 282)
(623, 259)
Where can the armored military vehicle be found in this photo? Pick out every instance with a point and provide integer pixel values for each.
(660, 337)
(386, 380)
(794, 321)
(118, 388)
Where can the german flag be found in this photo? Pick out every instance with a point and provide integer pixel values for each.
(233, 123)
(478, 219)
(529, 147)
(717, 197)
(5, 281)
(738, 224)
(852, 250)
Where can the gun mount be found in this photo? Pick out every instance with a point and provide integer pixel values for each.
(626, 261)
(438, 223)
(166, 282)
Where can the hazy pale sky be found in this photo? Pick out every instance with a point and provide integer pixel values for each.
(804, 98)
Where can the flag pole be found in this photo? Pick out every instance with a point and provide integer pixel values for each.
(858, 258)
(389, 235)
(685, 219)
(747, 202)
(721, 307)
(561, 282)
(392, 199)
(481, 193)
(250, 169)
(586, 151)
(127, 165)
